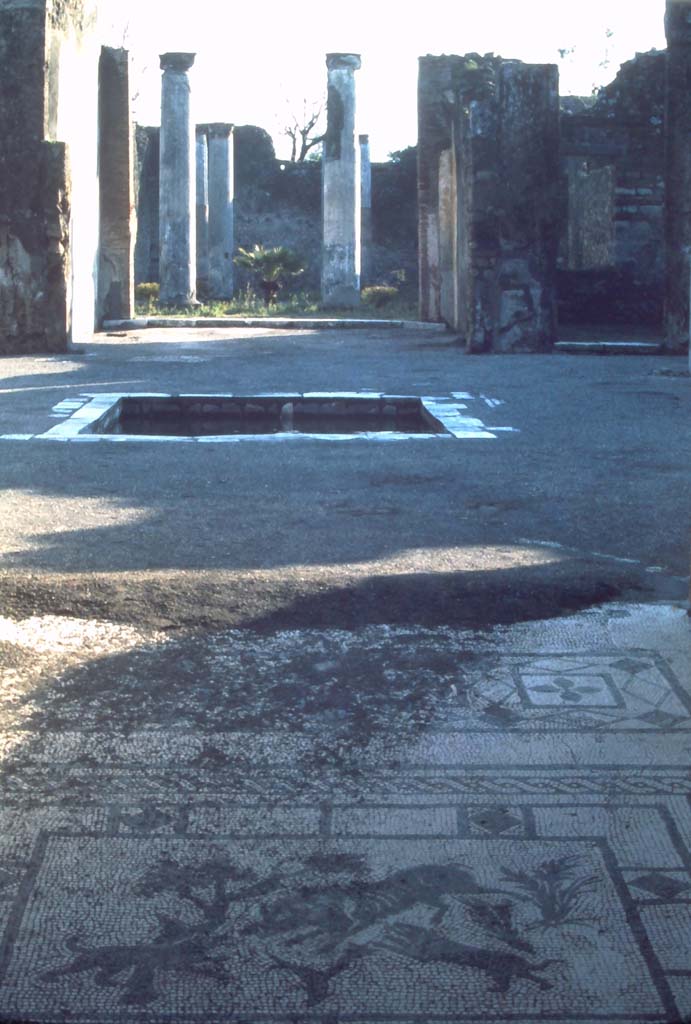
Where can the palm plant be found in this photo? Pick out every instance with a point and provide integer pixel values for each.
(270, 267)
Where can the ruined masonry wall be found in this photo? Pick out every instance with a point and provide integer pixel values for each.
(488, 200)
(613, 162)
(48, 174)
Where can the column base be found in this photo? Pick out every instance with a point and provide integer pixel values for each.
(181, 301)
(341, 296)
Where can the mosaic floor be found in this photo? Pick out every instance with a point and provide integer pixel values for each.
(390, 826)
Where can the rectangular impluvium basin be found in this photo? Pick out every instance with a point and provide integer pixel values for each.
(218, 415)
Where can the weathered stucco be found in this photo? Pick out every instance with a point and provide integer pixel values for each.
(435, 85)
(488, 191)
(116, 188)
(221, 214)
(48, 173)
(612, 260)
(678, 172)
(341, 187)
(35, 266)
(177, 185)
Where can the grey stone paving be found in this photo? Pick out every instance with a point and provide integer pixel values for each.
(267, 753)
(390, 824)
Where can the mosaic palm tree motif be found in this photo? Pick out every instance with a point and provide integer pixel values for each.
(317, 917)
(556, 890)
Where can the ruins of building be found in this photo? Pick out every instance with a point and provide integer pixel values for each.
(612, 254)
(277, 202)
(511, 216)
(616, 198)
(64, 117)
(488, 200)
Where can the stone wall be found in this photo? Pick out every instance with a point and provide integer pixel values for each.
(394, 222)
(612, 265)
(677, 172)
(34, 191)
(488, 200)
(146, 157)
(436, 82)
(48, 173)
(279, 203)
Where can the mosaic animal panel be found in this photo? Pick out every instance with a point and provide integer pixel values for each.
(121, 928)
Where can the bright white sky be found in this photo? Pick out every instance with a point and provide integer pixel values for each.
(256, 61)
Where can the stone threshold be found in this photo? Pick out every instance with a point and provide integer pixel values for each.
(624, 348)
(279, 323)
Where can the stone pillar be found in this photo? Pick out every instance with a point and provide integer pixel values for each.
(436, 82)
(366, 242)
(221, 227)
(488, 199)
(116, 188)
(678, 172)
(48, 175)
(178, 258)
(527, 212)
(341, 187)
(147, 146)
(202, 213)
(449, 291)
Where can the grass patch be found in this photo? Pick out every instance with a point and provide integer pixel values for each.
(298, 304)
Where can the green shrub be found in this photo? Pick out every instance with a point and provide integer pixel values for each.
(379, 295)
(147, 290)
(270, 267)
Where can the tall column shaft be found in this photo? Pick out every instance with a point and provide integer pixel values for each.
(678, 172)
(366, 241)
(341, 187)
(202, 213)
(177, 201)
(116, 188)
(436, 80)
(221, 225)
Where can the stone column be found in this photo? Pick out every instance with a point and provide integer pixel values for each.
(527, 211)
(116, 188)
(202, 213)
(449, 283)
(678, 172)
(178, 258)
(436, 83)
(221, 227)
(366, 254)
(341, 187)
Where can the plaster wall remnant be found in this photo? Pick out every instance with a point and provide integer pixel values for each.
(221, 219)
(177, 200)
(488, 200)
(449, 292)
(147, 149)
(435, 82)
(48, 228)
(612, 258)
(678, 172)
(366, 239)
(202, 212)
(341, 210)
(116, 185)
(589, 236)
